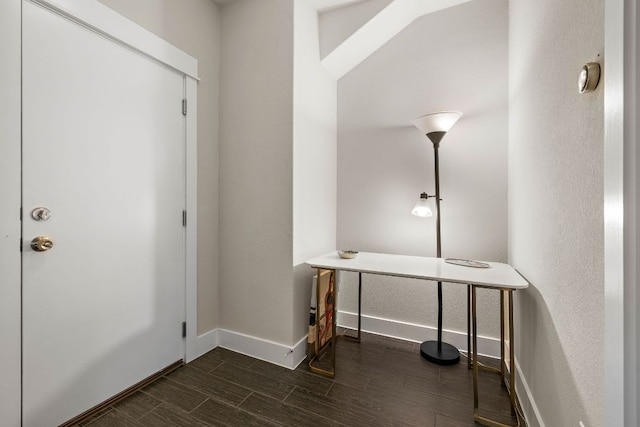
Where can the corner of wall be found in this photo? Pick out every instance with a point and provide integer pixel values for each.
(256, 162)
(314, 161)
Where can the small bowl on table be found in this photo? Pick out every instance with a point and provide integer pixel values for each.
(347, 254)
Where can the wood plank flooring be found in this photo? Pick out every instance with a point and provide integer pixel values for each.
(379, 382)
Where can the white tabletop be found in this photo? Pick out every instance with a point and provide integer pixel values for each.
(498, 275)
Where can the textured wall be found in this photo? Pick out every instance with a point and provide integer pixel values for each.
(556, 206)
(194, 27)
(455, 59)
(256, 169)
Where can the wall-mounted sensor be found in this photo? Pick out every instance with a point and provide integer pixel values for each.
(589, 77)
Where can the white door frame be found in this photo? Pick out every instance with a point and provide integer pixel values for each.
(621, 215)
(10, 340)
(100, 18)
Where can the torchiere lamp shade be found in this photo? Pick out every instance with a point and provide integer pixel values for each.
(435, 125)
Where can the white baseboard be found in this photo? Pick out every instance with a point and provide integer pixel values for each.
(269, 351)
(291, 356)
(487, 346)
(531, 413)
(205, 343)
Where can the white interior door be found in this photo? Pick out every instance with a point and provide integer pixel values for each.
(103, 151)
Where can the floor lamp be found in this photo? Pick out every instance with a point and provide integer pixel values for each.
(435, 126)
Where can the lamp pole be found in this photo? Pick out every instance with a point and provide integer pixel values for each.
(435, 126)
(436, 145)
(437, 351)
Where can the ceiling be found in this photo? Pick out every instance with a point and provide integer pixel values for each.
(320, 5)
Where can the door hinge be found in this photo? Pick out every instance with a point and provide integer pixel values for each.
(184, 329)
(184, 218)
(184, 107)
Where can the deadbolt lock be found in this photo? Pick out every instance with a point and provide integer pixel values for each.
(41, 244)
(40, 214)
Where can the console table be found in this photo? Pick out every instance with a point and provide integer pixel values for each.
(498, 276)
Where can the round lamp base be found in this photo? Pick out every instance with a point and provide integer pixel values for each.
(448, 355)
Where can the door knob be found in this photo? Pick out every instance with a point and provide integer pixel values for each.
(41, 244)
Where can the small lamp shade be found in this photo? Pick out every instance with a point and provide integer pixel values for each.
(435, 125)
(422, 208)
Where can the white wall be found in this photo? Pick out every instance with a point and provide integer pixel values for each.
(256, 169)
(556, 208)
(314, 158)
(336, 25)
(454, 59)
(10, 349)
(314, 148)
(194, 27)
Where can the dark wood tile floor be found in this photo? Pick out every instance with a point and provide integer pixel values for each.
(379, 382)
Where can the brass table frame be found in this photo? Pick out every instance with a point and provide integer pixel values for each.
(507, 357)
(506, 331)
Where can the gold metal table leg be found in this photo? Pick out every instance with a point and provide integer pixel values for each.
(512, 372)
(357, 338)
(331, 373)
(359, 306)
(508, 295)
(334, 319)
(469, 327)
(502, 331)
(474, 344)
